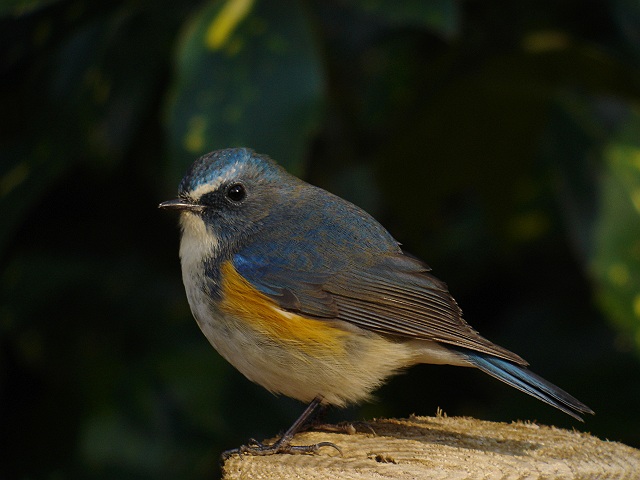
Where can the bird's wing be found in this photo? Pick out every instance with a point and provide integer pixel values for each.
(390, 293)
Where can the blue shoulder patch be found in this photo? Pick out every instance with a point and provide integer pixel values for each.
(255, 270)
(281, 279)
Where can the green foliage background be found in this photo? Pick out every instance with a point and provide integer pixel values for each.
(497, 140)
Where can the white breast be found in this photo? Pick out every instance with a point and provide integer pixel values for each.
(197, 243)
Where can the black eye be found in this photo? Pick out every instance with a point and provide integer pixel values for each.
(236, 192)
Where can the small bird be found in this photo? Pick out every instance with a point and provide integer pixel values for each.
(309, 296)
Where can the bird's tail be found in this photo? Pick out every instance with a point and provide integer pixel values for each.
(528, 382)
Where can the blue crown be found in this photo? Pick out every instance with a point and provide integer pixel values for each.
(216, 164)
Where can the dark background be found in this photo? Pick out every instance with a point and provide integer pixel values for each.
(497, 140)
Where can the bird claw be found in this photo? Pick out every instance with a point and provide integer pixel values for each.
(256, 448)
(283, 444)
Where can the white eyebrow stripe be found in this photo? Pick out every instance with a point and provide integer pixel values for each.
(212, 186)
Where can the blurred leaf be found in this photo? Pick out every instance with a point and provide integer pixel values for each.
(593, 150)
(247, 75)
(107, 73)
(439, 16)
(92, 89)
(491, 119)
(616, 256)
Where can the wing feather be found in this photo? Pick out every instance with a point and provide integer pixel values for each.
(392, 294)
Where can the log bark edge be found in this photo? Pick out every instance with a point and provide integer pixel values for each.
(447, 448)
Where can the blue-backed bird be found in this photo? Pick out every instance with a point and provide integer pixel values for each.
(310, 297)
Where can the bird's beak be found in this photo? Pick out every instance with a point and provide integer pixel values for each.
(180, 204)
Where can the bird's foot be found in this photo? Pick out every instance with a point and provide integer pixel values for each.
(260, 449)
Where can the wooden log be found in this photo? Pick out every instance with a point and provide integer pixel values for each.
(447, 448)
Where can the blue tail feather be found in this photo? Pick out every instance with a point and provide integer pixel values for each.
(528, 382)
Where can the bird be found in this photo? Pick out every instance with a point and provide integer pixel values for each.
(310, 297)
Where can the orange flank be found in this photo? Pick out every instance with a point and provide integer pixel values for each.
(313, 337)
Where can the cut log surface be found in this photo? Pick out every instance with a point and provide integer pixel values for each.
(446, 448)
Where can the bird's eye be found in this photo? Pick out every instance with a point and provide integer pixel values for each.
(236, 192)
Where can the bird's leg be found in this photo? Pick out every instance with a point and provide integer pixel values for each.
(283, 444)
